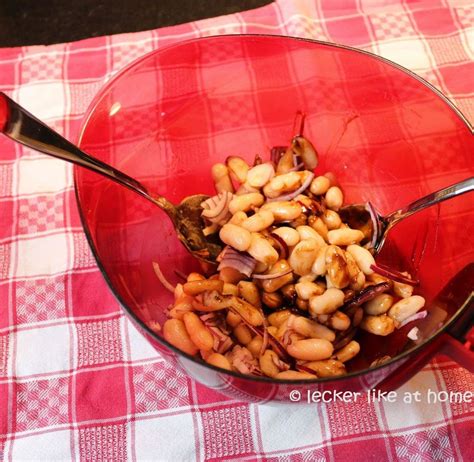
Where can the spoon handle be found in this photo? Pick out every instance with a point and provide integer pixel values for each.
(431, 199)
(21, 126)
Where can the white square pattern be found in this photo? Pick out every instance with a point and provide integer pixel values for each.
(41, 175)
(399, 412)
(44, 100)
(140, 347)
(282, 425)
(44, 255)
(168, 438)
(43, 350)
(45, 446)
(408, 53)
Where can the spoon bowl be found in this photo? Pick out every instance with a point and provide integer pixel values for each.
(376, 226)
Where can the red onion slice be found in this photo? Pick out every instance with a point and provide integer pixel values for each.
(296, 167)
(298, 123)
(365, 295)
(303, 368)
(414, 317)
(273, 276)
(161, 277)
(276, 153)
(393, 275)
(231, 258)
(215, 208)
(284, 251)
(278, 348)
(303, 187)
(257, 161)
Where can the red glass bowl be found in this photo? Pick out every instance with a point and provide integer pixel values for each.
(388, 136)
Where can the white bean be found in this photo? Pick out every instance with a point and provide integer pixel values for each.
(304, 148)
(348, 352)
(339, 321)
(309, 328)
(198, 332)
(272, 285)
(306, 290)
(230, 289)
(336, 267)
(311, 349)
(235, 236)
(218, 360)
(288, 234)
(363, 258)
(230, 275)
(378, 325)
(233, 319)
(245, 202)
(282, 183)
(259, 221)
(245, 188)
(273, 300)
(279, 317)
(320, 185)
(332, 219)
(319, 265)
(345, 236)
(261, 267)
(310, 277)
(318, 224)
(307, 232)
(357, 277)
(268, 363)
(199, 286)
(285, 164)
(380, 304)
(220, 175)
(255, 346)
(238, 218)
(303, 256)
(248, 291)
(261, 249)
(243, 334)
(295, 375)
(238, 168)
(178, 290)
(402, 290)
(283, 210)
(327, 367)
(326, 303)
(406, 307)
(260, 175)
(334, 198)
(174, 331)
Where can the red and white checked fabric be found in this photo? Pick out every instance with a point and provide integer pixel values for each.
(77, 381)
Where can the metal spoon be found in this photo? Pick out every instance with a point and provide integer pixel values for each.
(19, 125)
(359, 216)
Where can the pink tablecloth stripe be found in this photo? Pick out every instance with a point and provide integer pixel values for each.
(77, 382)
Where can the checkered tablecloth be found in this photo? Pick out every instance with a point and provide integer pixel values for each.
(78, 382)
